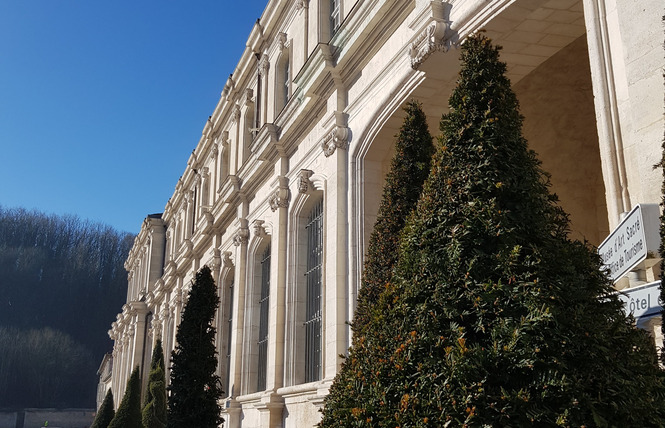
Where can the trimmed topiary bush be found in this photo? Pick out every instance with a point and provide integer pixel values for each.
(408, 170)
(154, 409)
(105, 413)
(128, 414)
(494, 317)
(195, 388)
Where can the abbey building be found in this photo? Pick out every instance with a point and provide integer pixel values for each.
(281, 193)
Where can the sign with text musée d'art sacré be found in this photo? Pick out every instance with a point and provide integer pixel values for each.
(629, 244)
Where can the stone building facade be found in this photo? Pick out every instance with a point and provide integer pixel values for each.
(281, 192)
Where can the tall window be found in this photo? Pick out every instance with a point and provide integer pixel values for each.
(334, 16)
(263, 320)
(229, 332)
(313, 275)
(257, 106)
(282, 81)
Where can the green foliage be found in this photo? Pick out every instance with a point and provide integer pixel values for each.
(105, 413)
(494, 317)
(129, 410)
(44, 367)
(409, 168)
(154, 410)
(195, 388)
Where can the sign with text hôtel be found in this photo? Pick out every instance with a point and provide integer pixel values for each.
(634, 238)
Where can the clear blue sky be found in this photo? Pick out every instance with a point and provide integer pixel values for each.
(101, 102)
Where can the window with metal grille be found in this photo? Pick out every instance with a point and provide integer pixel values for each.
(334, 16)
(263, 320)
(229, 331)
(313, 275)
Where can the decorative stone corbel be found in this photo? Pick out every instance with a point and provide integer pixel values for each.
(305, 185)
(281, 196)
(259, 229)
(301, 4)
(338, 138)
(156, 325)
(248, 97)
(434, 38)
(281, 41)
(264, 65)
(216, 260)
(235, 114)
(242, 235)
(226, 260)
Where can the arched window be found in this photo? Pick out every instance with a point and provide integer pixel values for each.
(257, 300)
(264, 305)
(282, 81)
(314, 279)
(225, 330)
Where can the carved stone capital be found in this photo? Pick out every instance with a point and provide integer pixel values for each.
(241, 236)
(226, 260)
(264, 65)
(305, 185)
(259, 228)
(281, 41)
(248, 97)
(235, 114)
(434, 38)
(216, 260)
(302, 4)
(281, 196)
(338, 138)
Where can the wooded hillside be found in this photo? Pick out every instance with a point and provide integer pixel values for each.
(62, 281)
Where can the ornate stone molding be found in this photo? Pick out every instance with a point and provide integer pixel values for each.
(281, 196)
(338, 138)
(305, 185)
(226, 259)
(434, 38)
(156, 325)
(248, 97)
(264, 65)
(259, 229)
(281, 41)
(301, 4)
(235, 114)
(216, 260)
(242, 235)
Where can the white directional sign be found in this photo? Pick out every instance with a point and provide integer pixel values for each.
(643, 300)
(629, 244)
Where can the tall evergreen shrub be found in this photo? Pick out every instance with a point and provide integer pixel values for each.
(195, 388)
(154, 409)
(105, 413)
(128, 414)
(494, 317)
(409, 168)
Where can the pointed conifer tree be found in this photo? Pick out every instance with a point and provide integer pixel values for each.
(494, 317)
(105, 413)
(154, 409)
(128, 414)
(409, 168)
(195, 388)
